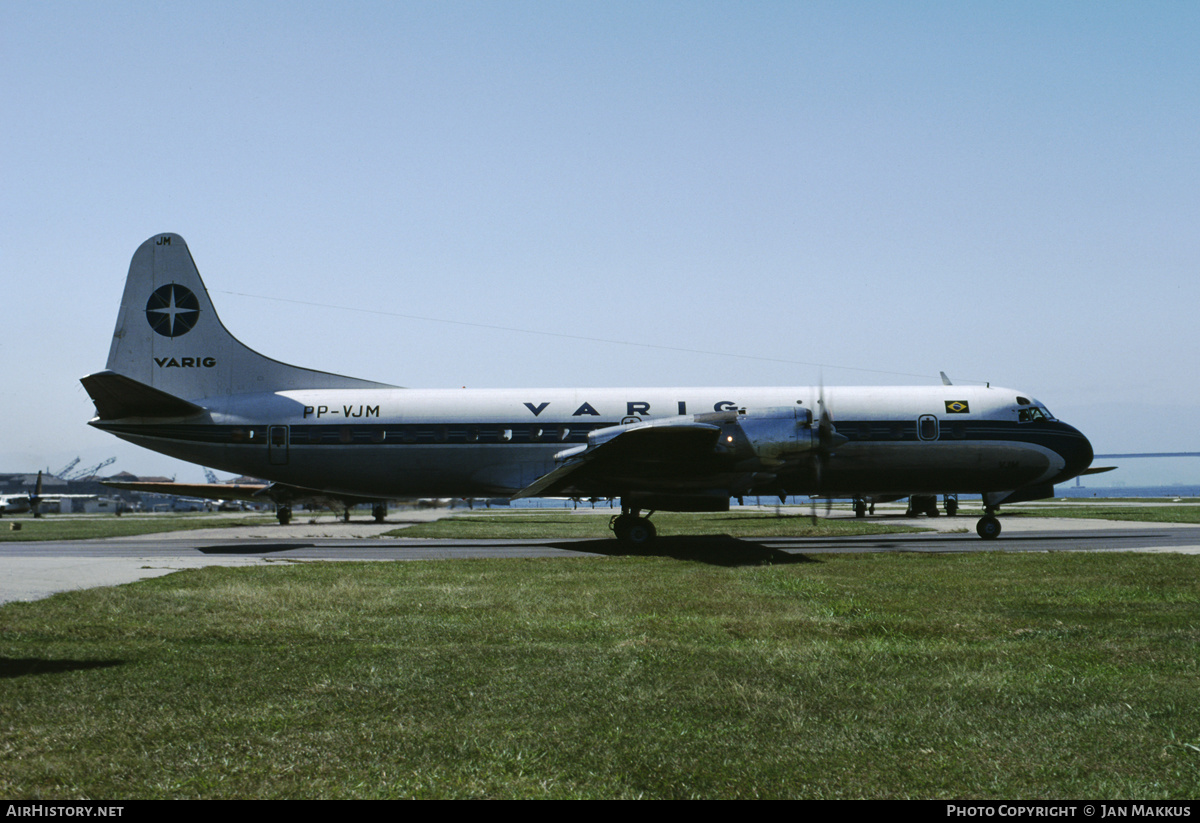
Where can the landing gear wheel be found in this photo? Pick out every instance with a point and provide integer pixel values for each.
(346, 516)
(620, 525)
(951, 507)
(860, 508)
(636, 531)
(641, 532)
(284, 515)
(379, 512)
(988, 527)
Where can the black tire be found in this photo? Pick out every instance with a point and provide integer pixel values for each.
(640, 532)
(634, 531)
(620, 526)
(988, 527)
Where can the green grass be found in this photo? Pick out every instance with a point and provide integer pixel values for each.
(74, 527)
(543, 524)
(1102, 500)
(895, 675)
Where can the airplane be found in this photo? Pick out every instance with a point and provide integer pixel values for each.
(24, 501)
(178, 382)
(32, 501)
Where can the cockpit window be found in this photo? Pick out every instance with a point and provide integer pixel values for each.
(1033, 413)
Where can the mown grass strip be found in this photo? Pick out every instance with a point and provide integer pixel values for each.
(58, 527)
(883, 675)
(543, 524)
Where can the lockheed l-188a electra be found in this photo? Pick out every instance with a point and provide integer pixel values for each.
(179, 383)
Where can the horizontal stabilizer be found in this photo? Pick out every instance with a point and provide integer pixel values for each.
(117, 396)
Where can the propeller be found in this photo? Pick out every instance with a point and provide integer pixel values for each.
(35, 499)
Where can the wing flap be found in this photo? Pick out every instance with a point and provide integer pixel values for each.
(623, 454)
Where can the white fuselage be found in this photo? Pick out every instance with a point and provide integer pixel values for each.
(460, 442)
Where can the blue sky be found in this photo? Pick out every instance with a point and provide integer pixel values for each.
(1009, 192)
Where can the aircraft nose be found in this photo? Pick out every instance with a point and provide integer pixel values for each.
(1076, 452)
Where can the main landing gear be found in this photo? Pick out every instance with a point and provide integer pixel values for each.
(630, 527)
(284, 515)
(927, 504)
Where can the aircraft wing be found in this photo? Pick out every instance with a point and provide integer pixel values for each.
(208, 491)
(275, 492)
(623, 457)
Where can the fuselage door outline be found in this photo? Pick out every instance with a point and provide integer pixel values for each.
(277, 445)
(927, 427)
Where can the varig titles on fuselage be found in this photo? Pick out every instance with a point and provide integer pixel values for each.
(633, 408)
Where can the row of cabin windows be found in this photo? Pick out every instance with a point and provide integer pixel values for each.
(926, 428)
(435, 434)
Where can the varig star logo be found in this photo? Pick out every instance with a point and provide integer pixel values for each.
(172, 310)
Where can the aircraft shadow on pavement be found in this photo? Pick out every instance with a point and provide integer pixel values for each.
(244, 547)
(716, 550)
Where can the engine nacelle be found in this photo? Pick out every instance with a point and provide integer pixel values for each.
(779, 433)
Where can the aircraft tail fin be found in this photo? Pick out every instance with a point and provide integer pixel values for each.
(169, 338)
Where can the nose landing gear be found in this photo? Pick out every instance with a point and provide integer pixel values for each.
(988, 526)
